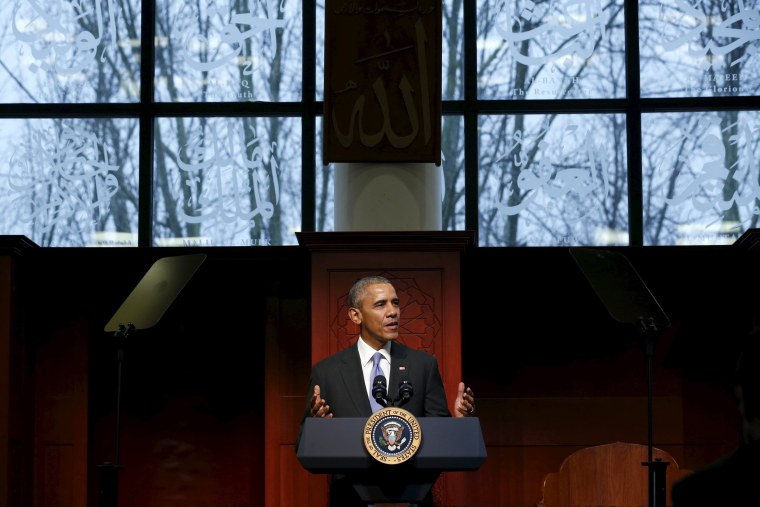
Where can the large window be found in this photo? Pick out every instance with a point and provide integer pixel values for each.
(565, 122)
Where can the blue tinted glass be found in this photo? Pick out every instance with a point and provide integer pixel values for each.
(70, 182)
(700, 176)
(228, 51)
(698, 49)
(227, 181)
(70, 51)
(552, 180)
(550, 50)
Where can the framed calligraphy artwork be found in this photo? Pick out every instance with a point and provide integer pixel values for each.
(382, 81)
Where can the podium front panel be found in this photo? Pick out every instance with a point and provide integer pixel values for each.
(335, 445)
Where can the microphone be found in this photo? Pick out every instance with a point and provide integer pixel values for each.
(380, 390)
(405, 392)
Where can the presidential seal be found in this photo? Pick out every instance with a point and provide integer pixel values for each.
(392, 435)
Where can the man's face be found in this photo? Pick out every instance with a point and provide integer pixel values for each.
(378, 315)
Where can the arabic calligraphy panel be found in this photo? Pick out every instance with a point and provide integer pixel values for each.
(228, 51)
(699, 49)
(227, 182)
(552, 180)
(382, 81)
(565, 49)
(70, 51)
(65, 184)
(700, 176)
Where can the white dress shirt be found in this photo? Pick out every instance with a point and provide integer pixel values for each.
(365, 354)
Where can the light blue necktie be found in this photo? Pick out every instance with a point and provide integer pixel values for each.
(375, 372)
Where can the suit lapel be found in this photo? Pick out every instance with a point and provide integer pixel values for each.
(399, 368)
(353, 380)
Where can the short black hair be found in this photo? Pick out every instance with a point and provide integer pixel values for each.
(356, 293)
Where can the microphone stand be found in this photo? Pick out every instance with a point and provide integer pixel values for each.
(109, 472)
(628, 300)
(657, 493)
(143, 308)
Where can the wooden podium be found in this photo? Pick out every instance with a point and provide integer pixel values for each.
(425, 268)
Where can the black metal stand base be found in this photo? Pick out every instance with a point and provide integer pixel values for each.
(108, 492)
(657, 482)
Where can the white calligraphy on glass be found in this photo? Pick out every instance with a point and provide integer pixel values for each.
(706, 189)
(574, 31)
(383, 62)
(61, 36)
(233, 44)
(224, 172)
(62, 179)
(556, 173)
(722, 35)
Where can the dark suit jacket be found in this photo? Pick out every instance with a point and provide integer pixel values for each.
(341, 383)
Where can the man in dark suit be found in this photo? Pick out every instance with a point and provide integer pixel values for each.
(733, 480)
(340, 385)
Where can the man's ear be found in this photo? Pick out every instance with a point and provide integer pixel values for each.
(355, 315)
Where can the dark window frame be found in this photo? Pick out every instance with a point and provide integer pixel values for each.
(309, 110)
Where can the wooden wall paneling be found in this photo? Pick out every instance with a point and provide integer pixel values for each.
(192, 427)
(61, 425)
(272, 404)
(287, 365)
(5, 380)
(16, 376)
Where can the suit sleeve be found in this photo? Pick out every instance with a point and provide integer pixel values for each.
(307, 408)
(435, 394)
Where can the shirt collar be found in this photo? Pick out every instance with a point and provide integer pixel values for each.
(366, 352)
